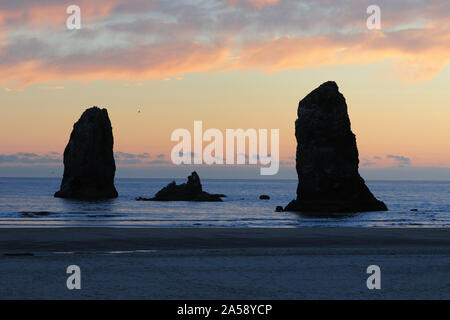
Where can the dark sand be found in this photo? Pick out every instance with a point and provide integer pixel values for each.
(225, 263)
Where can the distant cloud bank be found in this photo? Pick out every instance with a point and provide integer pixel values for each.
(142, 159)
(30, 158)
(399, 161)
(145, 159)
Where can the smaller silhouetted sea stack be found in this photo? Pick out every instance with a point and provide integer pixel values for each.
(327, 157)
(190, 191)
(89, 166)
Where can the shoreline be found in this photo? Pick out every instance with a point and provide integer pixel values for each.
(129, 238)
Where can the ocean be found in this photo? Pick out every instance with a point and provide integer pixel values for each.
(29, 202)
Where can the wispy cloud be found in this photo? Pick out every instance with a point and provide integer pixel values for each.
(400, 160)
(367, 163)
(258, 4)
(378, 161)
(140, 159)
(130, 158)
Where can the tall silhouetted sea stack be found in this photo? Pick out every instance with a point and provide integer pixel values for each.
(89, 166)
(327, 157)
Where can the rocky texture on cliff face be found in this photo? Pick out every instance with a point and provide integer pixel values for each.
(89, 166)
(190, 191)
(327, 157)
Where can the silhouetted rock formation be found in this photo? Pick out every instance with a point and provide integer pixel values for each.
(89, 166)
(190, 191)
(264, 197)
(327, 157)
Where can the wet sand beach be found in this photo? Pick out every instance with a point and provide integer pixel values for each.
(224, 263)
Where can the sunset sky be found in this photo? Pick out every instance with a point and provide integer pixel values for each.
(232, 64)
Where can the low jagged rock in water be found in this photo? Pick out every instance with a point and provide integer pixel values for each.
(190, 191)
(89, 165)
(327, 157)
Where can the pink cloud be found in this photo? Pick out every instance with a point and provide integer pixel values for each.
(258, 4)
(416, 55)
(160, 49)
(52, 12)
(157, 61)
